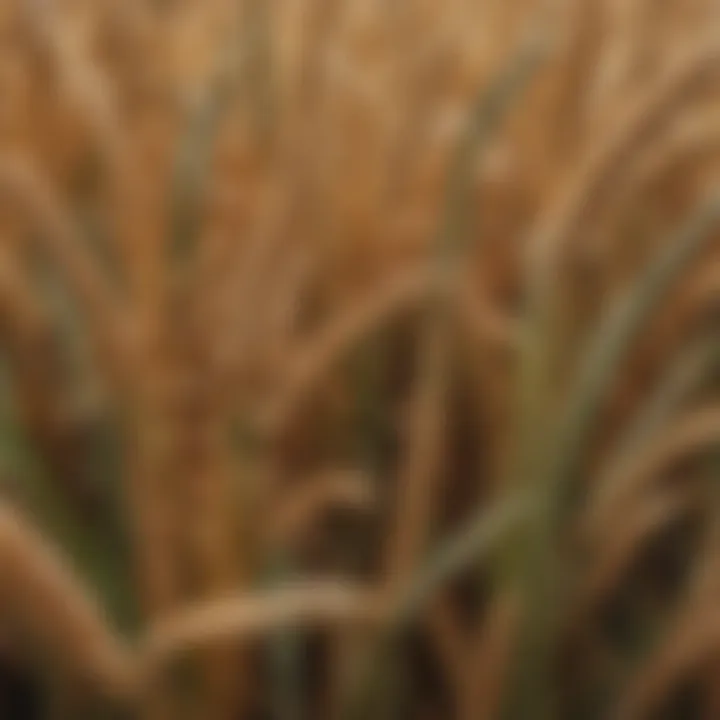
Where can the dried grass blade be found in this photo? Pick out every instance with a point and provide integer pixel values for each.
(538, 553)
(58, 235)
(49, 601)
(249, 617)
(695, 433)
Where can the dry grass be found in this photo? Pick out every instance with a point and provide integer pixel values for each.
(361, 354)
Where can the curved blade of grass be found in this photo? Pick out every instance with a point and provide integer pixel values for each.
(693, 366)
(690, 436)
(689, 642)
(539, 574)
(455, 233)
(52, 605)
(686, 642)
(453, 237)
(244, 65)
(481, 538)
(484, 536)
(606, 161)
(97, 557)
(618, 329)
(248, 53)
(416, 485)
(488, 112)
(56, 237)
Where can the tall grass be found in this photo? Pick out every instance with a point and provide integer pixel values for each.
(358, 357)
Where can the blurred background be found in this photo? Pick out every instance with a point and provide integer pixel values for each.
(358, 359)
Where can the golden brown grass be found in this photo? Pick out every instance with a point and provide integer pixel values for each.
(370, 353)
